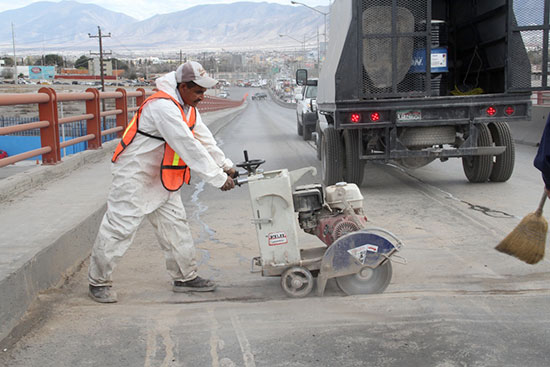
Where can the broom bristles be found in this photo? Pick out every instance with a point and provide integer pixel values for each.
(528, 240)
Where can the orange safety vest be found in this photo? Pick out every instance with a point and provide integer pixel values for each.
(173, 170)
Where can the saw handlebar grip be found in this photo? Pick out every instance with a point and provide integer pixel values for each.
(240, 180)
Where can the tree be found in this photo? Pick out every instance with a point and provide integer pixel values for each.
(7, 74)
(82, 62)
(8, 61)
(53, 59)
(119, 64)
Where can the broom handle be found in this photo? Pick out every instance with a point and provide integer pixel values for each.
(541, 204)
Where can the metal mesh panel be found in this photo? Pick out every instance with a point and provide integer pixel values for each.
(527, 49)
(415, 79)
(393, 38)
(529, 13)
(525, 70)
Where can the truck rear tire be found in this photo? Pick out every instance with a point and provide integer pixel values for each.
(355, 167)
(478, 167)
(306, 130)
(332, 156)
(318, 140)
(503, 164)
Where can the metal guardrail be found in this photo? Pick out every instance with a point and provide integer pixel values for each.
(541, 98)
(49, 122)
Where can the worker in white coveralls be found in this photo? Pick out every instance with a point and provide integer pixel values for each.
(165, 141)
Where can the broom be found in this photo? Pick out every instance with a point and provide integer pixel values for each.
(528, 239)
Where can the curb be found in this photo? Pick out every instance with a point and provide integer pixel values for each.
(275, 99)
(35, 177)
(50, 266)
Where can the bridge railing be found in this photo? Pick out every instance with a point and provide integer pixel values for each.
(541, 98)
(49, 122)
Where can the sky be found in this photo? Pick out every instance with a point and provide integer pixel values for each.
(143, 9)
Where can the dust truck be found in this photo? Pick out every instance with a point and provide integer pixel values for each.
(411, 81)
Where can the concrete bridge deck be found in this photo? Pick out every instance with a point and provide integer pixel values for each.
(49, 216)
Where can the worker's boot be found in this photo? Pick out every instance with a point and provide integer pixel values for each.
(195, 285)
(102, 294)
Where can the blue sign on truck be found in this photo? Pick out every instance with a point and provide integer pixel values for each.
(439, 60)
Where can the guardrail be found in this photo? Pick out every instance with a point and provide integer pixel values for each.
(541, 98)
(49, 121)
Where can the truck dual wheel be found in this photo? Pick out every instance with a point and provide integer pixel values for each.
(318, 141)
(503, 164)
(478, 167)
(332, 156)
(299, 127)
(355, 168)
(307, 131)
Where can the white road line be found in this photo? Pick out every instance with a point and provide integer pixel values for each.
(248, 357)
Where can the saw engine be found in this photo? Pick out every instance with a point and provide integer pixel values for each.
(332, 213)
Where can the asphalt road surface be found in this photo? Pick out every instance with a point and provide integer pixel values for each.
(457, 301)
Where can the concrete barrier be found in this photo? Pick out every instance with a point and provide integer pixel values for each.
(68, 201)
(281, 103)
(530, 132)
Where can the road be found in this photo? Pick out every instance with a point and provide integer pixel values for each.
(457, 302)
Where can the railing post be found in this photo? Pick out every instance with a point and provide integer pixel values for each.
(140, 100)
(93, 126)
(122, 104)
(49, 136)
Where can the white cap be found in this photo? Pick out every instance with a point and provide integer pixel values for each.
(192, 71)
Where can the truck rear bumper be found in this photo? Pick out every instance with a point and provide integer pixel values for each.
(435, 153)
(435, 111)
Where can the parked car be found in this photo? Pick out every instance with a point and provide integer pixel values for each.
(306, 109)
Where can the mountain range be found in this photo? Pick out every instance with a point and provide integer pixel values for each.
(65, 26)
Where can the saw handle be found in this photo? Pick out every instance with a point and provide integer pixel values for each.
(541, 204)
(240, 181)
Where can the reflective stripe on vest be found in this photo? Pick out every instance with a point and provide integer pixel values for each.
(173, 170)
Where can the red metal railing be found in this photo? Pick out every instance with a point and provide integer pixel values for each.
(541, 98)
(49, 122)
(215, 103)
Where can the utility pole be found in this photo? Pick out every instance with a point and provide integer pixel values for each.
(14, 58)
(101, 53)
(181, 57)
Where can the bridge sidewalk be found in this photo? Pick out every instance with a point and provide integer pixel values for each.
(49, 216)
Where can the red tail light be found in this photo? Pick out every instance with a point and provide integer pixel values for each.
(374, 116)
(491, 111)
(509, 110)
(355, 118)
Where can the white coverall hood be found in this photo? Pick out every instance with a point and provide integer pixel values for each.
(167, 83)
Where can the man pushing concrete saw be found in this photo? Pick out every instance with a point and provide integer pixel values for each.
(164, 143)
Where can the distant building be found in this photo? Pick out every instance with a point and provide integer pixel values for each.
(94, 67)
(74, 71)
(236, 60)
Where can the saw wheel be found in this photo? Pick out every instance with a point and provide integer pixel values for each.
(297, 281)
(367, 281)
